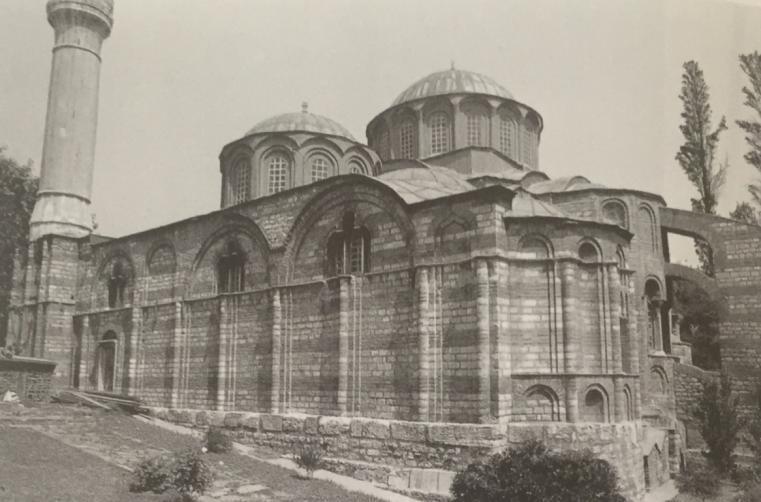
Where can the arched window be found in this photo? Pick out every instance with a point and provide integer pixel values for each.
(654, 305)
(356, 167)
(543, 404)
(536, 246)
(239, 181)
(508, 134)
(349, 249)
(278, 173)
(588, 253)
(117, 283)
(438, 124)
(595, 408)
(384, 143)
(407, 140)
(320, 167)
(530, 141)
(648, 233)
(629, 403)
(476, 127)
(231, 271)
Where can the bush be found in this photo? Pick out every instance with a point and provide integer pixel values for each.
(217, 441)
(720, 423)
(532, 472)
(701, 482)
(185, 472)
(308, 457)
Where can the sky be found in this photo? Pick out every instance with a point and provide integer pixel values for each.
(182, 78)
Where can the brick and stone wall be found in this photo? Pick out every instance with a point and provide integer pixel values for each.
(688, 387)
(30, 378)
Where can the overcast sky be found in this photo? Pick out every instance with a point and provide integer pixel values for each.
(181, 78)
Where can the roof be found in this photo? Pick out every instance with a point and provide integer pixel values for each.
(452, 82)
(526, 206)
(566, 184)
(425, 182)
(301, 121)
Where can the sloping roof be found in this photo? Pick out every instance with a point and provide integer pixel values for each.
(526, 206)
(566, 184)
(301, 121)
(425, 182)
(452, 82)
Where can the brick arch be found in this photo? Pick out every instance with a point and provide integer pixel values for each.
(99, 286)
(349, 192)
(237, 225)
(546, 400)
(155, 247)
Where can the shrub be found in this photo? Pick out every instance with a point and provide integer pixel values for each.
(532, 472)
(217, 441)
(308, 457)
(184, 472)
(153, 475)
(750, 492)
(720, 423)
(701, 482)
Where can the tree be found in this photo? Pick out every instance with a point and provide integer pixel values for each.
(701, 315)
(720, 422)
(697, 155)
(744, 212)
(17, 193)
(751, 66)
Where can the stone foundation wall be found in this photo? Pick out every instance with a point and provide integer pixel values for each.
(27, 377)
(688, 387)
(418, 456)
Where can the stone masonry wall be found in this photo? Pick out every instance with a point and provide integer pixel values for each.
(29, 378)
(688, 387)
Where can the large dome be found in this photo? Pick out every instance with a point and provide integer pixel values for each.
(452, 82)
(301, 121)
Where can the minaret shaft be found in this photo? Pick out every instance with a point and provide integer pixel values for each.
(63, 200)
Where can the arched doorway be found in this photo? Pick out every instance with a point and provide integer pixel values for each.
(105, 362)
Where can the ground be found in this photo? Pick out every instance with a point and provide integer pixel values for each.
(70, 454)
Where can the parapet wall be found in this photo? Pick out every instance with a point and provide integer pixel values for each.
(29, 378)
(418, 456)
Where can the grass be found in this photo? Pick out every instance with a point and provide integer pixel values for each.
(34, 467)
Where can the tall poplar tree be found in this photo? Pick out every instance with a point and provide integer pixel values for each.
(697, 155)
(750, 64)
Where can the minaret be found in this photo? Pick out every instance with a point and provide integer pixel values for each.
(63, 200)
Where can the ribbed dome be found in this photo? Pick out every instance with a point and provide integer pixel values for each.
(301, 121)
(452, 82)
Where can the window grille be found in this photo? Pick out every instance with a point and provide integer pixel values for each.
(277, 170)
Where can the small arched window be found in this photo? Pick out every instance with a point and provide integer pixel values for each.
(508, 132)
(321, 167)
(476, 126)
(239, 181)
(231, 269)
(629, 403)
(438, 124)
(536, 246)
(356, 167)
(117, 284)
(614, 211)
(595, 409)
(407, 140)
(588, 253)
(278, 173)
(349, 251)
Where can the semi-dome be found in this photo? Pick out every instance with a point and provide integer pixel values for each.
(452, 81)
(301, 121)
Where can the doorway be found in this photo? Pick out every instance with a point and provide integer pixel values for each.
(105, 362)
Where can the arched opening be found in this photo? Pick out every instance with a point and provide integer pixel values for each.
(440, 133)
(536, 246)
(105, 362)
(278, 172)
(117, 284)
(349, 249)
(654, 306)
(542, 404)
(614, 211)
(628, 403)
(231, 268)
(595, 406)
(588, 253)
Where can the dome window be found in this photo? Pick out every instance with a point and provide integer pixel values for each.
(407, 143)
(476, 125)
(440, 131)
(278, 171)
(320, 168)
(239, 180)
(508, 135)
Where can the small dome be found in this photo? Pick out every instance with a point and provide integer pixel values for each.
(452, 82)
(301, 121)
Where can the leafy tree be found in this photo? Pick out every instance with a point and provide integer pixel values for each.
(744, 212)
(701, 316)
(700, 481)
(532, 472)
(697, 155)
(751, 66)
(17, 193)
(720, 423)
